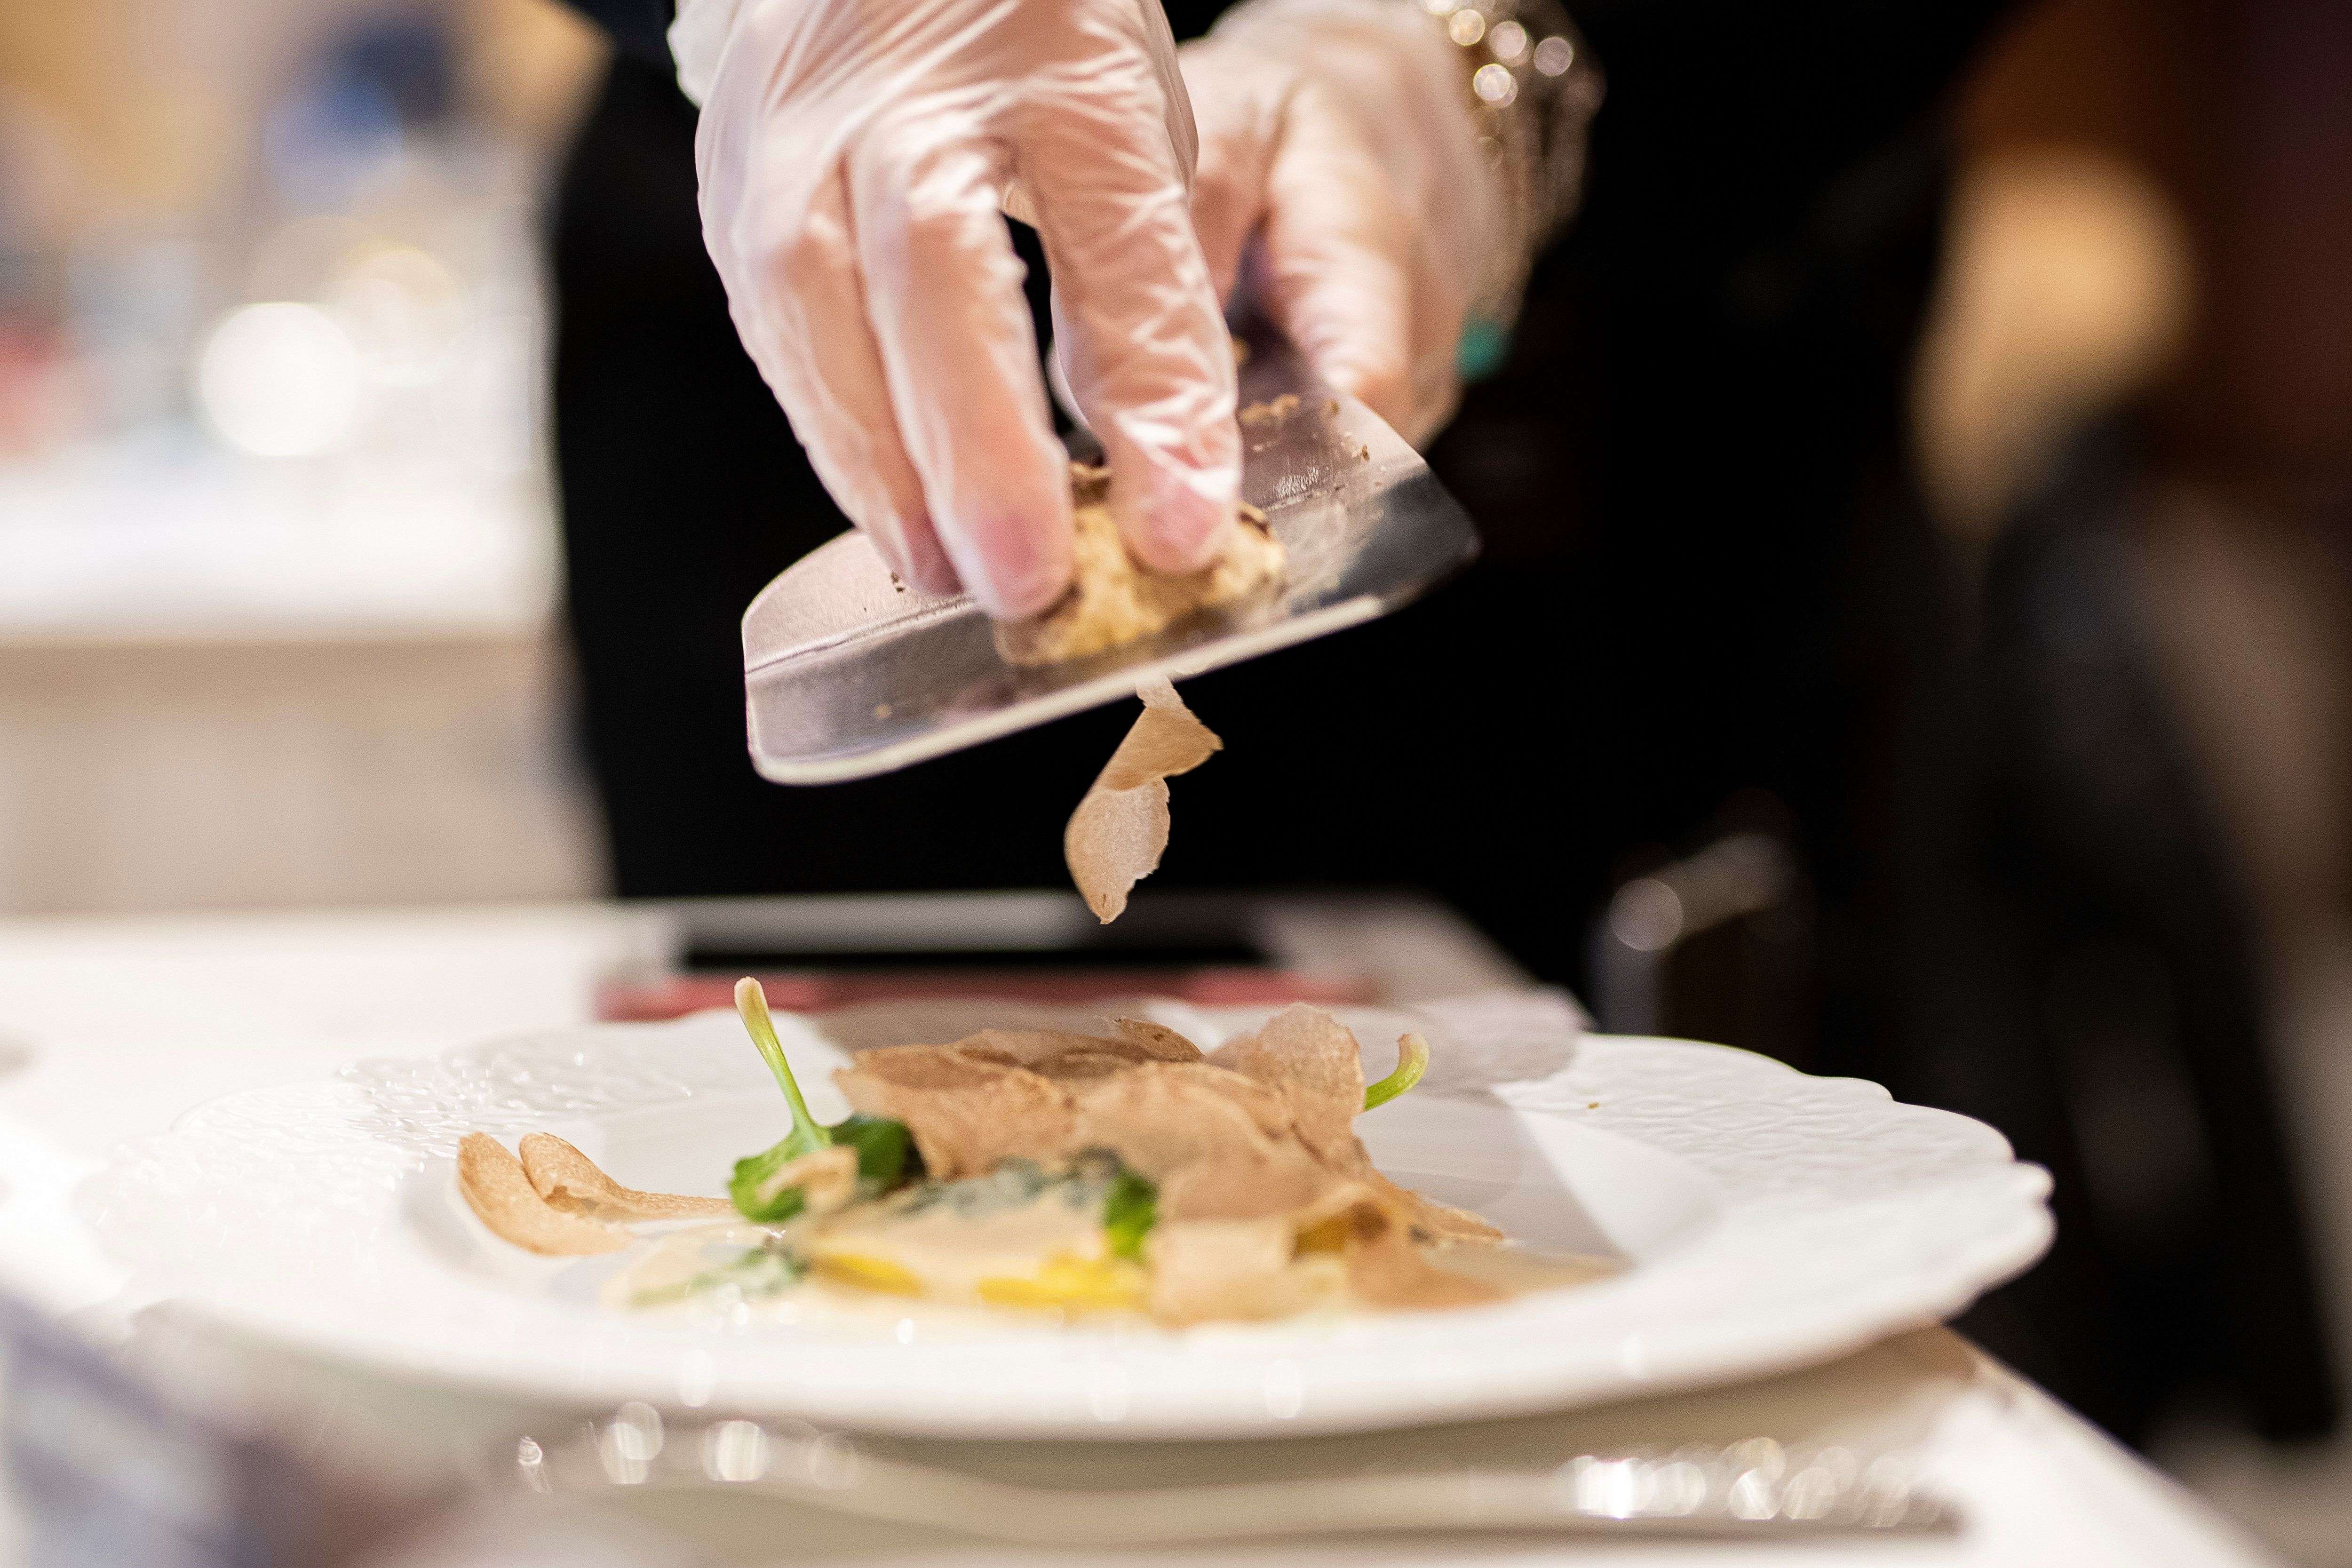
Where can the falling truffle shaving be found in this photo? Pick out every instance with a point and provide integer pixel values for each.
(1119, 830)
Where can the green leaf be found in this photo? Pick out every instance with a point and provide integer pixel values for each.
(1412, 1060)
(1130, 1209)
(887, 1157)
(749, 1188)
(886, 1150)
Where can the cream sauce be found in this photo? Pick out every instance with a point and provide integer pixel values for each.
(1521, 1269)
(950, 1251)
(938, 1251)
(922, 1251)
(718, 1272)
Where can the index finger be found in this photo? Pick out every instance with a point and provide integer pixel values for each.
(961, 357)
(1136, 313)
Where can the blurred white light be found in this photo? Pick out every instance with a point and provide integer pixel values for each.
(1494, 85)
(1646, 915)
(1554, 55)
(1509, 42)
(1465, 27)
(403, 307)
(280, 380)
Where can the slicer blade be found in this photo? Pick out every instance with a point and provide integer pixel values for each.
(848, 673)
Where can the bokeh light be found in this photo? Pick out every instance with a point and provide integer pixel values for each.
(280, 380)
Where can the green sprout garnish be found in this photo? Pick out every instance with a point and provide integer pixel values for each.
(886, 1152)
(1130, 1209)
(1412, 1060)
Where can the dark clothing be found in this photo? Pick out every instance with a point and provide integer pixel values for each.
(639, 27)
(1689, 471)
(1707, 580)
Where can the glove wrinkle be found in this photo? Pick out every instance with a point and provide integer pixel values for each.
(853, 158)
(1341, 190)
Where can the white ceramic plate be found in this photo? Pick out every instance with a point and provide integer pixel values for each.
(1769, 1219)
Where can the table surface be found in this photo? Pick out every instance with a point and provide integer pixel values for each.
(110, 1029)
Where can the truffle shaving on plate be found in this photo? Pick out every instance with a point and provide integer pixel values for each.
(1126, 1173)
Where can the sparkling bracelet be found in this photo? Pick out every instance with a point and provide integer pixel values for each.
(1534, 88)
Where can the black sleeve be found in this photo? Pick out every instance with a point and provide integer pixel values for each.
(640, 26)
(1725, 117)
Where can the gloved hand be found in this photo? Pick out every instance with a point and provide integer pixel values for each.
(1341, 183)
(852, 156)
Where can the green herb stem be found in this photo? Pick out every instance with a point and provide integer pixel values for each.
(751, 1003)
(886, 1150)
(1412, 1060)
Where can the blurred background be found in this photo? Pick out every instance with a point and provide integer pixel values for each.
(275, 563)
(280, 622)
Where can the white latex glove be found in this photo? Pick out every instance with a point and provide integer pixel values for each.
(852, 156)
(1341, 181)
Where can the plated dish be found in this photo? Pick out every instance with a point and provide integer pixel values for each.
(1754, 1218)
(1122, 1173)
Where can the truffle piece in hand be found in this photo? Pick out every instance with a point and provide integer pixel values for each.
(1114, 601)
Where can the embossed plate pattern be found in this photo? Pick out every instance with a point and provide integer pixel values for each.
(1767, 1219)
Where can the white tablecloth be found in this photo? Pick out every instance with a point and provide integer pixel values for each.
(109, 1029)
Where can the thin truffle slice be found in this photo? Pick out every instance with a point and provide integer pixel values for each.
(1266, 1203)
(1309, 1057)
(1348, 1241)
(1113, 600)
(1157, 1088)
(1222, 1143)
(1313, 1061)
(1273, 1178)
(1219, 1146)
(1119, 830)
(1384, 1268)
(503, 1197)
(1432, 1221)
(1130, 1040)
(966, 1110)
(1157, 1042)
(569, 1179)
(1029, 1048)
(1223, 1270)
